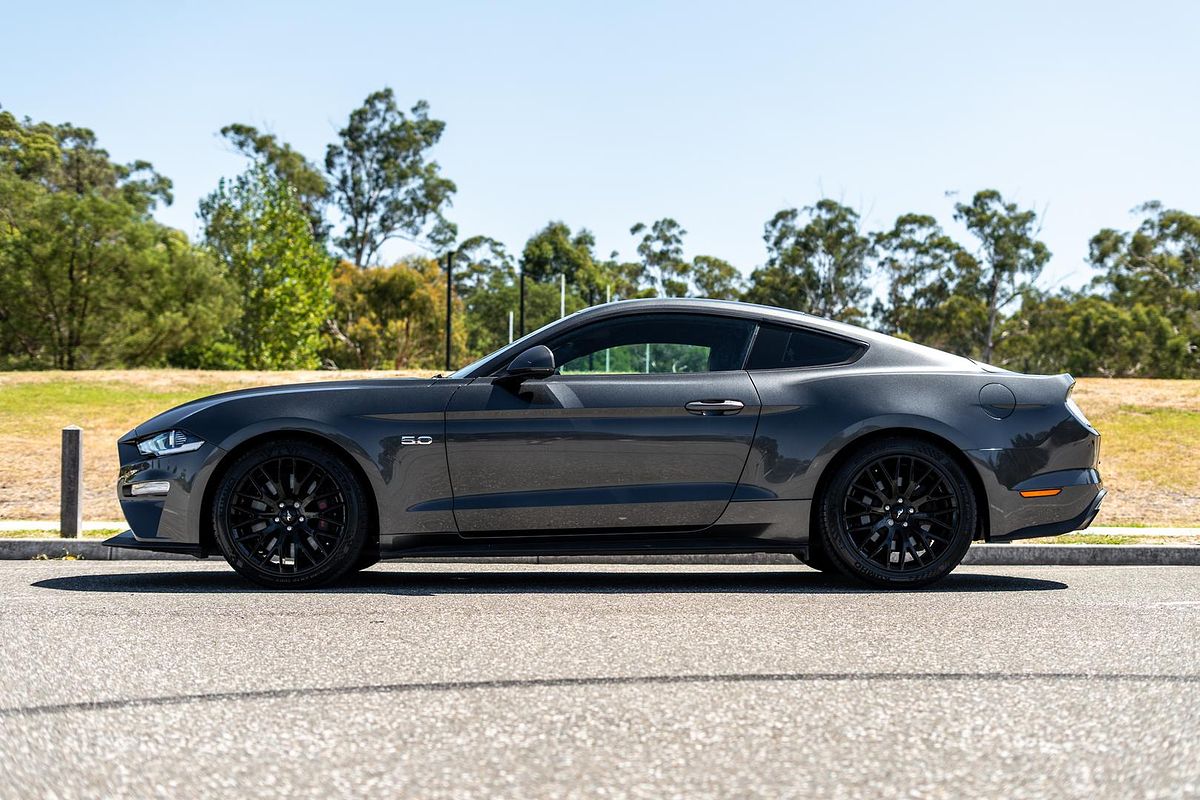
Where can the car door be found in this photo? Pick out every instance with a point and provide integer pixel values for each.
(646, 427)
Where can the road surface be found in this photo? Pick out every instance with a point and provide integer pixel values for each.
(134, 679)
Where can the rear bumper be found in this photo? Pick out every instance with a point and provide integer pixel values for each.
(1076, 523)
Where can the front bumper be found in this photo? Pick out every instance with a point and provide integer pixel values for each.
(169, 518)
(128, 541)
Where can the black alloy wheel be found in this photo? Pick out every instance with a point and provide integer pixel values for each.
(290, 514)
(899, 513)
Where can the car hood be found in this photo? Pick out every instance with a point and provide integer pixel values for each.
(179, 416)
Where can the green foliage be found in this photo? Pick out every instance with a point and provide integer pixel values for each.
(87, 277)
(815, 263)
(383, 182)
(256, 229)
(661, 250)
(1010, 257)
(931, 284)
(388, 317)
(715, 278)
(289, 166)
(1157, 267)
(1089, 335)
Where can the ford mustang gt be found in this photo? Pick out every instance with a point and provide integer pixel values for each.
(637, 427)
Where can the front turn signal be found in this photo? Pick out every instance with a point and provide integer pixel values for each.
(1041, 493)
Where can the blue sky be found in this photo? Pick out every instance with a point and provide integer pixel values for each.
(607, 113)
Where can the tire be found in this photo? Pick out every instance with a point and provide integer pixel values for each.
(899, 513)
(291, 515)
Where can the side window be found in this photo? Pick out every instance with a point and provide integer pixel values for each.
(654, 344)
(778, 347)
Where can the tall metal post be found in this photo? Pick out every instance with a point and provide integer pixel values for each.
(449, 301)
(521, 327)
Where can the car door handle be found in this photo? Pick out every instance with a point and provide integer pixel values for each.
(714, 407)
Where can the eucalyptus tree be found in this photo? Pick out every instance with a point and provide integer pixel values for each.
(1008, 252)
(661, 251)
(288, 165)
(383, 181)
(929, 286)
(817, 261)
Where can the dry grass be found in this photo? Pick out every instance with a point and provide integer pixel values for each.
(1150, 432)
(35, 406)
(1151, 429)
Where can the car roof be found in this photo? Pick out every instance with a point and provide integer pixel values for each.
(882, 348)
(732, 308)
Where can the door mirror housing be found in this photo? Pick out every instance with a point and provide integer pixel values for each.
(536, 362)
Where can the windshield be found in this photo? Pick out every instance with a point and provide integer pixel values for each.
(512, 348)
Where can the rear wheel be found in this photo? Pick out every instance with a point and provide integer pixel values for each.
(290, 515)
(899, 513)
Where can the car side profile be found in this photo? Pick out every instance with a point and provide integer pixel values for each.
(636, 427)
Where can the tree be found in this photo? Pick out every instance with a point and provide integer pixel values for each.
(557, 250)
(1089, 335)
(289, 166)
(819, 266)
(383, 182)
(87, 277)
(388, 317)
(258, 232)
(1158, 266)
(661, 250)
(931, 285)
(1010, 257)
(715, 278)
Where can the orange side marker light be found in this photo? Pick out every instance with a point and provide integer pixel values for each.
(1041, 493)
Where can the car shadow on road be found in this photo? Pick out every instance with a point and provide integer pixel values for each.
(417, 583)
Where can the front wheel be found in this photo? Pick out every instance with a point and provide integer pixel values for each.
(900, 513)
(290, 515)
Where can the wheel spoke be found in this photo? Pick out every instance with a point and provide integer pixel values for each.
(287, 489)
(880, 517)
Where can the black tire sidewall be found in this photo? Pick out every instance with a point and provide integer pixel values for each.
(838, 545)
(349, 548)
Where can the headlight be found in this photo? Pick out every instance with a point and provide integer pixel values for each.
(169, 443)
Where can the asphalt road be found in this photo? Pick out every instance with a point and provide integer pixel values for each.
(417, 680)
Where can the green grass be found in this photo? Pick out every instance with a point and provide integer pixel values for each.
(47, 534)
(1156, 445)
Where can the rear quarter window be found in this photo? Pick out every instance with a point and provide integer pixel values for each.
(779, 347)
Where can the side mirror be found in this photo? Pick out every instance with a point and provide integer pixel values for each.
(536, 362)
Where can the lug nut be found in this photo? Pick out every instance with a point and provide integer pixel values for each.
(289, 527)
(277, 519)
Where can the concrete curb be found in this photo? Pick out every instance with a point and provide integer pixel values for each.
(85, 549)
(1109, 555)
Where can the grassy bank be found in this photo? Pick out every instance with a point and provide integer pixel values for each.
(1151, 428)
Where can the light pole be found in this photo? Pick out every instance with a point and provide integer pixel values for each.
(449, 301)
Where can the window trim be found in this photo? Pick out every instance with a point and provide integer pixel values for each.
(753, 321)
(863, 346)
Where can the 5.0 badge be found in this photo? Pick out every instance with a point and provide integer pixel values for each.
(406, 440)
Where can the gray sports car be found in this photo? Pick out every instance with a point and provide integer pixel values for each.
(646, 426)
